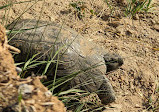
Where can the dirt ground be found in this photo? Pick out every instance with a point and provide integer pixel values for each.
(137, 40)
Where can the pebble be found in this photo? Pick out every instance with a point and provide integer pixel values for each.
(48, 94)
(47, 103)
(137, 106)
(32, 101)
(18, 70)
(25, 89)
(113, 108)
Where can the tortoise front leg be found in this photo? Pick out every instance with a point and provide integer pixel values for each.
(106, 92)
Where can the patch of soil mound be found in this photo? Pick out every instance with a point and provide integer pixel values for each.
(19, 95)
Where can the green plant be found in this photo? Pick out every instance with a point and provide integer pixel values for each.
(19, 97)
(135, 6)
(79, 8)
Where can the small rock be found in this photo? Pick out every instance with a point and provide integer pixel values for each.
(137, 106)
(48, 94)
(113, 108)
(30, 101)
(47, 103)
(18, 70)
(25, 89)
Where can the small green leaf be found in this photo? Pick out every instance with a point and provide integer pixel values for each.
(92, 12)
(74, 5)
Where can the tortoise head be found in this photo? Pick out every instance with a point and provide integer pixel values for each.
(113, 61)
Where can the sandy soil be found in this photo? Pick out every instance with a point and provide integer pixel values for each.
(136, 40)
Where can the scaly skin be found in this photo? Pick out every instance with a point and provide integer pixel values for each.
(76, 51)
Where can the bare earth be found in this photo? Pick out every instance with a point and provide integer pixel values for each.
(136, 40)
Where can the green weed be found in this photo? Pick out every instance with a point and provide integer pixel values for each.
(135, 6)
(79, 9)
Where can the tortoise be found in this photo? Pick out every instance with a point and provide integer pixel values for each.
(76, 53)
